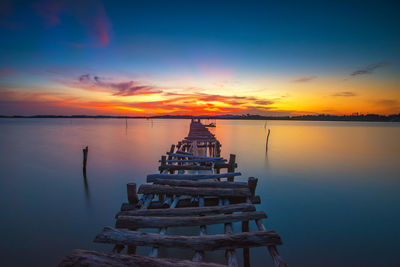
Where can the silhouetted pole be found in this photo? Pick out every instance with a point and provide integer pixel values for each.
(85, 153)
(266, 146)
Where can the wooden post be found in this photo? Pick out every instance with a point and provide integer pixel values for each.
(218, 149)
(178, 146)
(252, 184)
(170, 157)
(132, 196)
(246, 251)
(133, 200)
(231, 168)
(171, 151)
(85, 153)
(266, 145)
(163, 161)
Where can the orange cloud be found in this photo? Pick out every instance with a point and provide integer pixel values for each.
(186, 104)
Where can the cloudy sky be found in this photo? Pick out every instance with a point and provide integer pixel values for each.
(199, 57)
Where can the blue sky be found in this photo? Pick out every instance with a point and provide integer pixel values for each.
(186, 44)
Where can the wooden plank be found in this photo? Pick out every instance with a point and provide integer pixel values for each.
(194, 160)
(151, 177)
(185, 202)
(198, 140)
(212, 184)
(183, 152)
(193, 191)
(84, 258)
(183, 167)
(205, 242)
(191, 156)
(133, 222)
(225, 165)
(200, 211)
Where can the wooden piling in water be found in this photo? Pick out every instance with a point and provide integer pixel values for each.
(266, 143)
(132, 195)
(85, 154)
(231, 167)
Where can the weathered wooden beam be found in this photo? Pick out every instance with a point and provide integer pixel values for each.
(151, 177)
(212, 184)
(193, 191)
(192, 156)
(225, 165)
(183, 167)
(84, 258)
(273, 251)
(133, 222)
(206, 242)
(190, 211)
(183, 152)
(194, 160)
(185, 202)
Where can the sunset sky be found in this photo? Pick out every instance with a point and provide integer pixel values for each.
(199, 57)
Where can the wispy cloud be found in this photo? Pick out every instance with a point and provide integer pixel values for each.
(304, 79)
(6, 72)
(369, 69)
(119, 88)
(387, 102)
(345, 94)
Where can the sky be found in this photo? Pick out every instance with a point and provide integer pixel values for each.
(143, 58)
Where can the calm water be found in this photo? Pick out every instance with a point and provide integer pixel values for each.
(330, 189)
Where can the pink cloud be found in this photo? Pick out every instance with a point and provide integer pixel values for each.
(7, 72)
(117, 88)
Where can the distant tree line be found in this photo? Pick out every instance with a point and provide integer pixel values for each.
(319, 117)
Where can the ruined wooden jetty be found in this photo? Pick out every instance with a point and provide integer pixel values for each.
(188, 191)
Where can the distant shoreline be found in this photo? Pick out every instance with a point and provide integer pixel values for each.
(367, 117)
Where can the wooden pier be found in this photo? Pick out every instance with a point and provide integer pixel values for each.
(188, 191)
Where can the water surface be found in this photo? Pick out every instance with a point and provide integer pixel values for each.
(330, 189)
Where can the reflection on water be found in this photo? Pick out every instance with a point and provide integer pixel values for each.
(86, 184)
(329, 188)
